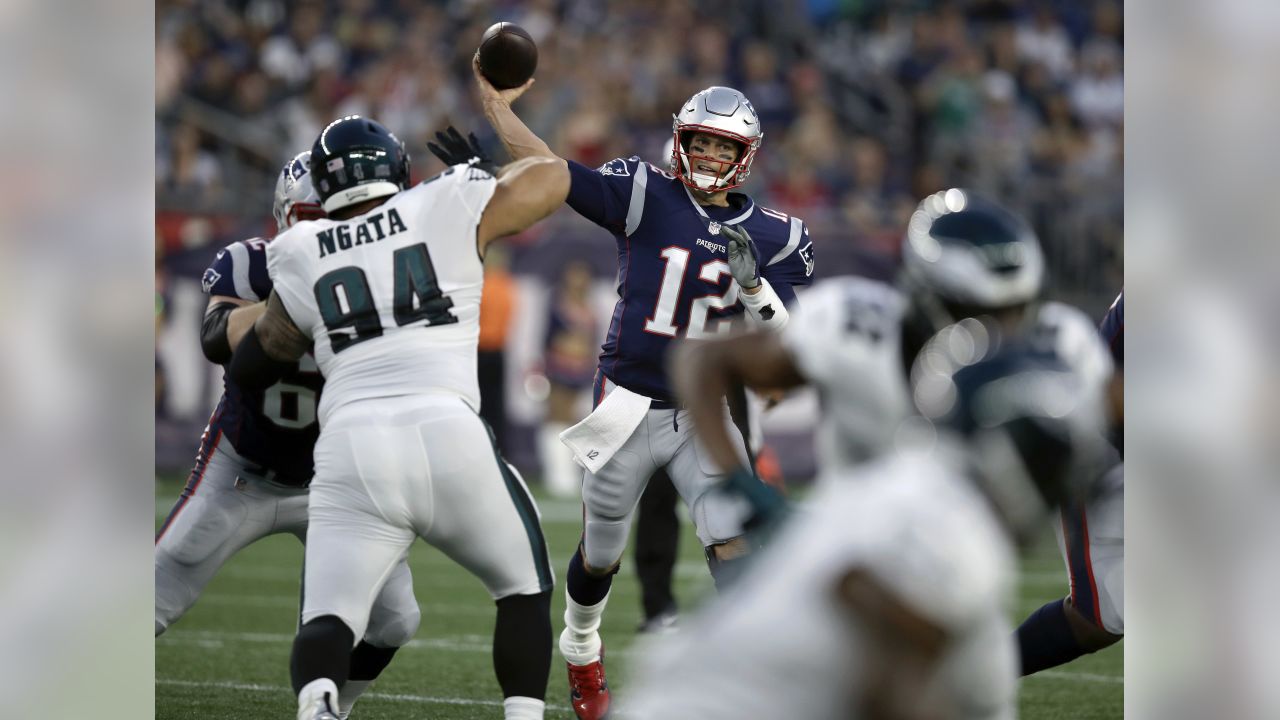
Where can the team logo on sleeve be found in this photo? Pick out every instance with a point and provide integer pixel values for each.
(617, 168)
(806, 254)
(211, 278)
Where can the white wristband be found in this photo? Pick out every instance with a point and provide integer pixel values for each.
(765, 307)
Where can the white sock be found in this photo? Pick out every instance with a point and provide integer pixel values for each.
(580, 642)
(523, 708)
(561, 475)
(351, 691)
(313, 694)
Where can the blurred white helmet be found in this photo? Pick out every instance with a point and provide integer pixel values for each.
(964, 249)
(723, 112)
(296, 198)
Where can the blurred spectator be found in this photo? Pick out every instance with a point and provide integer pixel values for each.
(291, 57)
(496, 306)
(1043, 40)
(1098, 92)
(187, 165)
(1002, 139)
(569, 363)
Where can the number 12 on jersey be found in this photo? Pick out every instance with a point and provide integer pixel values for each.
(662, 321)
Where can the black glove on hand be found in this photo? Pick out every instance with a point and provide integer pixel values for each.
(744, 259)
(454, 150)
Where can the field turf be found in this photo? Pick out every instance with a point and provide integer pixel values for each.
(229, 657)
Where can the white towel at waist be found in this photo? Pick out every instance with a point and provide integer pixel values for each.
(595, 439)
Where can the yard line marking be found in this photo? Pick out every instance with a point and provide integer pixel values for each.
(1084, 677)
(218, 638)
(212, 638)
(291, 602)
(397, 697)
(559, 512)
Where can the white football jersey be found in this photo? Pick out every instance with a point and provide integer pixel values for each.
(391, 297)
(1068, 333)
(780, 644)
(846, 340)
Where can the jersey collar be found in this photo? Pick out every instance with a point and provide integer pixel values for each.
(746, 213)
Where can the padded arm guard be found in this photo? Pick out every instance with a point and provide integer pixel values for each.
(251, 367)
(765, 307)
(213, 333)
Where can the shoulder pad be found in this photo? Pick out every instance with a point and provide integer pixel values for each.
(1069, 334)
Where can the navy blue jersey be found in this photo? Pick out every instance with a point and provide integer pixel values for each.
(673, 271)
(1113, 330)
(275, 428)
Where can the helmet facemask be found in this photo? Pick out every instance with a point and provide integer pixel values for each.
(298, 211)
(717, 174)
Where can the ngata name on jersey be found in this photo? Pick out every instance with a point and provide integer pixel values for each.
(339, 238)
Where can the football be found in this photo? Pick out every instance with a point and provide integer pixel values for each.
(508, 55)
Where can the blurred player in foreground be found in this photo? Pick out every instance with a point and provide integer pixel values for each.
(1091, 537)
(856, 339)
(388, 288)
(691, 256)
(254, 462)
(885, 596)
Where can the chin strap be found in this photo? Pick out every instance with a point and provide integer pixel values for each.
(765, 308)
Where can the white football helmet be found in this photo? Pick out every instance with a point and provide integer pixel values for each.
(723, 112)
(965, 250)
(296, 198)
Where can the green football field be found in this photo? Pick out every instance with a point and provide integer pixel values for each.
(229, 657)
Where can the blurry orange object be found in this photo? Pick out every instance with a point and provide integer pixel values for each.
(495, 309)
(768, 469)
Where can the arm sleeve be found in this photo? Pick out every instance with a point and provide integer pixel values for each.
(793, 265)
(213, 333)
(251, 367)
(606, 195)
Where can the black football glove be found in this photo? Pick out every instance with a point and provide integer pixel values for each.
(744, 259)
(455, 150)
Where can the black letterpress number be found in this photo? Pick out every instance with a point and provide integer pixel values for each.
(346, 302)
(359, 313)
(417, 292)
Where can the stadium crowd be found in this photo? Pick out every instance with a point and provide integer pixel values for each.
(867, 105)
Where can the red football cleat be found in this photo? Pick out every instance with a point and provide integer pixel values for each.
(588, 690)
